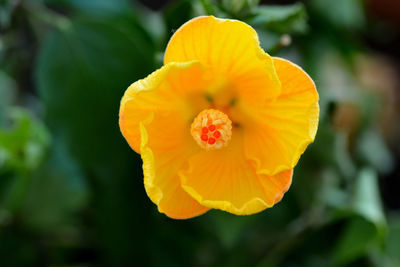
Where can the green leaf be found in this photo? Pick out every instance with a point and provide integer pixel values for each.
(7, 95)
(155, 26)
(57, 191)
(239, 7)
(372, 148)
(281, 19)
(342, 155)
(24, 145)
(346, 14)
(7, 8)
(82, 74)
(268, 40)
(358, 236)
(229, 228)
(366, 228)
(177, 14)
(330, 192)
(367, 201)
(98, 7)
(393, 241)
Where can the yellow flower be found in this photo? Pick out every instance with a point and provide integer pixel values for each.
(222, 124)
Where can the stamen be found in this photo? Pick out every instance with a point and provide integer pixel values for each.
(211, 129)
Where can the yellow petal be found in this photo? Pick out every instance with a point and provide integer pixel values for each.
(154, 120)
(163, 155)
(224, 179)
(285, 126)
(174, 87)
(231, 49)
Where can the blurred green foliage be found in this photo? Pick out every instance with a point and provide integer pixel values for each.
(71, 189)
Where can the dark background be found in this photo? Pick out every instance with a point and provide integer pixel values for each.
(71, 189)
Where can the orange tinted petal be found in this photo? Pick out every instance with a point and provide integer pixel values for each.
(231, 49)
(281, 181)
(283, 128)
(224, 179)
(155, 120)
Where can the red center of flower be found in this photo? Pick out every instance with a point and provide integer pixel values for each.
(212, 129)
(208, 132)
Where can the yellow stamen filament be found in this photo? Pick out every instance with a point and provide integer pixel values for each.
(212, 129)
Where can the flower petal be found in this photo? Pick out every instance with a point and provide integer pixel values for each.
(154, 121)
(169, 88)
(232, 50)
(284, 127)
(224, 179)
(162, 158)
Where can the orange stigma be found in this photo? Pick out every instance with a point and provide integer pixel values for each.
(211, 129)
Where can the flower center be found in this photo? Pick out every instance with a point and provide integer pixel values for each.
(211, 129)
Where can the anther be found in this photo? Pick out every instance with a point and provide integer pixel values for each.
(216, 134)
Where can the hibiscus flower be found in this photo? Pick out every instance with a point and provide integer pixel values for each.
(222, 124)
